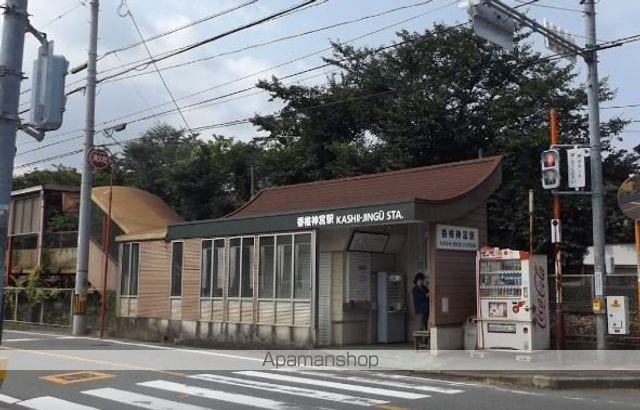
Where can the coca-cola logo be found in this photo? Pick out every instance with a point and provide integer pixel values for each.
(541, 297)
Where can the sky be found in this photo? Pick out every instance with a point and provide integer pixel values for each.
(140, 100)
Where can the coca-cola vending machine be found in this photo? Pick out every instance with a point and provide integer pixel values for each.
(513, 300)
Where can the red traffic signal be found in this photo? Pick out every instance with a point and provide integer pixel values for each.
(550, 162)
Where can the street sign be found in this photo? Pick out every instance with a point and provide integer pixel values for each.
(577, 175)
(629, 197)
(99, 158)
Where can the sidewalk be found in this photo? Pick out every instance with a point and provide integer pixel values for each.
(546, 380)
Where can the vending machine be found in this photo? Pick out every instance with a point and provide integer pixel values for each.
(513, 300)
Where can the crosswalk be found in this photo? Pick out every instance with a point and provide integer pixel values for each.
(278, 390)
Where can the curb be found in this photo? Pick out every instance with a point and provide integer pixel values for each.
(550, 382)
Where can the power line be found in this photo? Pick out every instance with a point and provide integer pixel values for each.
(274, 41)
(294, 60)
(63, 15)
(177, 29)
(123, 6)
(222, 100)
(201, 43)
(615, 107)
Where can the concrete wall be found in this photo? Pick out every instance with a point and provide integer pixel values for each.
(212, 334)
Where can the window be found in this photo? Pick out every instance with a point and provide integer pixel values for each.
(129, 269)
(266, 269)
(234, 267)
(283, 267)
(206, 266)
(246, 290)
(212, 268)
(176, 268)
(302, 266)
(240, 265)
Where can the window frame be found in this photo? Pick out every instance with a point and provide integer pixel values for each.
(129, 262)
(222, 274)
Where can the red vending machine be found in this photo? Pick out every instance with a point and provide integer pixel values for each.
(513, 300)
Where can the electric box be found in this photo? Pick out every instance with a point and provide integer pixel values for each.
(391, 307)
(618, 315)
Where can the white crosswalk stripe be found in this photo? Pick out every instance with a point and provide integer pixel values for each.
(236, 398)
(394, 384)
(292, 390)
(334, 385)
(271, 390)
(140, 400)
(52, 403)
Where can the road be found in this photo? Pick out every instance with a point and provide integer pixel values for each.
(157, 388)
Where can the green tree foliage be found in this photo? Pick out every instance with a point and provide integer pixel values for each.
(198, 179)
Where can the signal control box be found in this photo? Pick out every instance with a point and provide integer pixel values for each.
(618, 315)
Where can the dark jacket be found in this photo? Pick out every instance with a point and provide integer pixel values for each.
(420, 300)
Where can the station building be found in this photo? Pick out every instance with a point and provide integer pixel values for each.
(326, 263)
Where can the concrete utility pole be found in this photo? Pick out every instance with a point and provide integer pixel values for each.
(597, 205)
(13, 33)
(84, 226)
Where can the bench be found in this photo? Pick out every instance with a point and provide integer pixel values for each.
(422, 339)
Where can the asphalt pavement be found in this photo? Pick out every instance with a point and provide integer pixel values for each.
(154, 387)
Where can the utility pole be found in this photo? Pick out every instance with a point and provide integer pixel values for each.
(11, 52)
(597, 204)
(84, 225)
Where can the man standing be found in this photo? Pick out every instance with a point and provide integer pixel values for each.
(420, 296)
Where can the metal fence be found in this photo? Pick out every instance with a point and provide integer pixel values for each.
(49, 306)
(577, 298)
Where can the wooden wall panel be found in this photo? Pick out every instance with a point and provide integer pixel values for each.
(154, 279)
(455, 275)
(191, 279)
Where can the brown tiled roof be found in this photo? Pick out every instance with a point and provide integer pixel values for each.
(436, 183)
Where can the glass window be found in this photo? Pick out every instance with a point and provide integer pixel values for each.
(247, 264)
(135, 258)
(206, 262)
(129, 269)
(284, 262)
(235, 251)
(124, 270)
(176, 268)
(302, 270)
(266, 268)
(217, 276)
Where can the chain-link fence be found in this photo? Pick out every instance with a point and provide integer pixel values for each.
(577, 297)
(50, 306)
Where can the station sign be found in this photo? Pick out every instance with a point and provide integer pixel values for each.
(456, 238)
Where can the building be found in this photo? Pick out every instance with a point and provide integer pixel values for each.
(301, 265)
(43, 231)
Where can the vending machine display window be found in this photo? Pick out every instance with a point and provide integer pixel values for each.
(498, 309)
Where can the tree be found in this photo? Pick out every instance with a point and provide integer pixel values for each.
(60, 175)
(439, 96)
(198, 179)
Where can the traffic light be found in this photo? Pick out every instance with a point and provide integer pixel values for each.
(550, 162)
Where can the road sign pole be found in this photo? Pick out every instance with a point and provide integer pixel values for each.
(557, 260)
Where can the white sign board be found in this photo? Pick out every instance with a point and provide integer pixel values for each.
(457, 238)
(576, 168)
